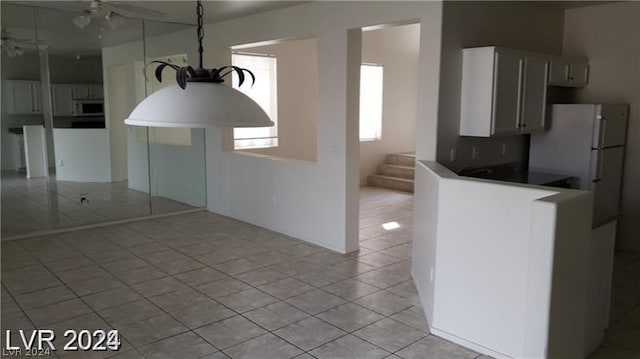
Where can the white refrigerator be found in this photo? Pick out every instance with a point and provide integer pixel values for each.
(585, 141)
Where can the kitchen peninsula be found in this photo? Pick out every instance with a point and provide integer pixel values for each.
(506, 268)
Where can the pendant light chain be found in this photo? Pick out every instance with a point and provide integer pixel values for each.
(187, 74)
(208, 103)
(200, 12)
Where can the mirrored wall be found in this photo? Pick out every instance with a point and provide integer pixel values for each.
(68, 82)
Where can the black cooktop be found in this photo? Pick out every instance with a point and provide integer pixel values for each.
(508, 174)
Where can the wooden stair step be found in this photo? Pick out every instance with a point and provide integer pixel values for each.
(390, 182)
(397, 171)
(402, 159)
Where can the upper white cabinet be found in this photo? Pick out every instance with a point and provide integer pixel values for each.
(568, 72)
(24, 97)
(88, 91)
(503, 92)
(64, 94)
(534, 93)
(62, 100)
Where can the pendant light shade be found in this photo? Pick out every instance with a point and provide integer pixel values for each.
(199, 105)
(199, 99)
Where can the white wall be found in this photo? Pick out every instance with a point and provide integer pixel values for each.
(115, 60)
(397, 49)
(534, 26)
(84, 155)
(317, 201)
(297, 98)
(609, 36)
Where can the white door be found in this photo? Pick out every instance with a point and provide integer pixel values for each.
(534, 94)
(62, 100)
(23, 101)
(607, 181)
(506, 93)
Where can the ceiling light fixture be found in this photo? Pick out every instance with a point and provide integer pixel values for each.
(199, 99)
(83, 20)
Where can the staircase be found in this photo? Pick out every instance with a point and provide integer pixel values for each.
(396, 173)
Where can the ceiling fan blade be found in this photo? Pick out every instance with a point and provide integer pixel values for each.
(132, 10)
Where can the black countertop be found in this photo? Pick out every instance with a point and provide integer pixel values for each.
(509, 174)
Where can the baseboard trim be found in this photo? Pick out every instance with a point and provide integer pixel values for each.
(340, 250)
(453, 338)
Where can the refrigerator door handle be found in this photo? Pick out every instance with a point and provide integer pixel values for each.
(599, 164)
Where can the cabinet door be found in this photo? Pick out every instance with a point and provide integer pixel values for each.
(36, 95)
(81, 91)
(579, 74)
(534, 94)
(558, 72)
(22, 98)
(62, 100)
(96, 91)
(506, 93)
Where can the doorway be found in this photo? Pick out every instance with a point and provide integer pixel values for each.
(388, 110)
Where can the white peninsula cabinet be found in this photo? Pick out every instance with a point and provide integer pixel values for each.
(503, 92)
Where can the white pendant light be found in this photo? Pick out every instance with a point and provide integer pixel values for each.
(199, 105)
(200, 99)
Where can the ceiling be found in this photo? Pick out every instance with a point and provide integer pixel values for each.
(56, 29)
(179, 11)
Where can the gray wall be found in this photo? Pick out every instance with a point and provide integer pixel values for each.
(520, 25)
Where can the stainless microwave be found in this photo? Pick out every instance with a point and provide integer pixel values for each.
(88, 108)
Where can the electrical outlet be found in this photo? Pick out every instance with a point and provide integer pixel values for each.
(475, 152)
(453, 154)
(504, 148)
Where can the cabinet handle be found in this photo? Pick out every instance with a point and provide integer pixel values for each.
(521, 79)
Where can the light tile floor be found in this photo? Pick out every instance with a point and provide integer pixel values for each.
(38, 204)
(206, 286)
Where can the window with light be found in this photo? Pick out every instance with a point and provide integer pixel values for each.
(370, 102)
(264, 93)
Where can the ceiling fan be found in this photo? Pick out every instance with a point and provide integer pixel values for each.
(15, 46)
(114, 13)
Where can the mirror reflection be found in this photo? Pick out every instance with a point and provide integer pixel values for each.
(68, 160)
